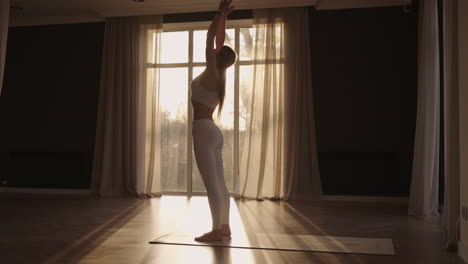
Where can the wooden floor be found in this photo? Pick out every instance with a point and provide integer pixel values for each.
(82, 229)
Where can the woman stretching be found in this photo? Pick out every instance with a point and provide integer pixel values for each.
(208, 91)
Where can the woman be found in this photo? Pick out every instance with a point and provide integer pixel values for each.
(208, 91)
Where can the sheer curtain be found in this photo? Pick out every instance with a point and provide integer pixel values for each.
(128, 132)
(424, 192)
(261, 156)
(302, 177)
(278, 152)
(451, 210)
(4, 20)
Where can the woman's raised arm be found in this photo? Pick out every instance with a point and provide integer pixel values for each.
(217, 30)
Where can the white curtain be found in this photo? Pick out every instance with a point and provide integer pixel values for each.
(4, 20)
(451, 210)
(424, 190)
(127, 136)
(272, 164)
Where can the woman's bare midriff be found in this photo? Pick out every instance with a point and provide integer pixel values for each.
(201, 111)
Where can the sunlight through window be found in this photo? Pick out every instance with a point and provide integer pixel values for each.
(174, 47)
(182, 58)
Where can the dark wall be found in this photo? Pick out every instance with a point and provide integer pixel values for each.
(364, 82)
(48, 105)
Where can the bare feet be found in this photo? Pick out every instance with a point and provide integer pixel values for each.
(225, 230)
(214, 235)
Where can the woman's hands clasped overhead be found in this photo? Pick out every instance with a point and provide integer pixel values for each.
(225, 7)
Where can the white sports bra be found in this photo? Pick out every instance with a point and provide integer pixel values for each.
(202, 95)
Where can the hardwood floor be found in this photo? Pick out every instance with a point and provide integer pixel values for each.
(83, 229)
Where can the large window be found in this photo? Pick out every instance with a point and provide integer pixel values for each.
(182, 50)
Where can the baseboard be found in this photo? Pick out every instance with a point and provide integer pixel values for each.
(44, 191)
(351, 198)
(343, 198)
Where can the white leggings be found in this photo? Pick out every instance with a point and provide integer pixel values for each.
(208, 147)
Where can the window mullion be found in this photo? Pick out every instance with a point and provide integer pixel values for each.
(236, 113)
(189, 118)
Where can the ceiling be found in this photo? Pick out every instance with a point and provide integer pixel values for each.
(41, 12)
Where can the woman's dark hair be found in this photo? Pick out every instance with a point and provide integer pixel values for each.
(224, 60)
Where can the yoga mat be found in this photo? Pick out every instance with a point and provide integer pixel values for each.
(355, 245)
